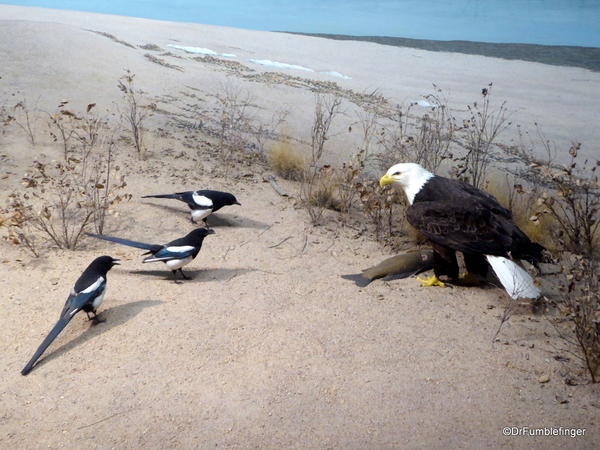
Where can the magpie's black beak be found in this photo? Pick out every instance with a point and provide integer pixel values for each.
(210, 231)
(115, 263)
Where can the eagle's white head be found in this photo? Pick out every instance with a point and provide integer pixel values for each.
(410, 176)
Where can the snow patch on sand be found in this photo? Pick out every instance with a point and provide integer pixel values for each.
(195, 50)
(261, 62)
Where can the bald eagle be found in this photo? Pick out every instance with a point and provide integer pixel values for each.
(456, 216)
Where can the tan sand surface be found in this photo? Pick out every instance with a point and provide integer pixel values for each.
(267, 346)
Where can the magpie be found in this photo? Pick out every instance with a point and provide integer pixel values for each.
(202, 203)
(86, 295)
(174, 254)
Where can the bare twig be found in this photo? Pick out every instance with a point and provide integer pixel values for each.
(271, 180)
(265, 230)
(105, 419)
(277, 245)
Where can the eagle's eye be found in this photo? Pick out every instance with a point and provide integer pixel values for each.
(397, 174)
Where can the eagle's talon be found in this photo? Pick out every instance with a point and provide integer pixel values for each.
(431, 281)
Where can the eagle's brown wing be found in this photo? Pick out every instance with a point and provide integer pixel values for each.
(469, 227)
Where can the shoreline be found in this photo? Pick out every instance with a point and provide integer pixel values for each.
(556, 55)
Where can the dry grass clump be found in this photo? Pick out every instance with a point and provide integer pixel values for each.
(324, 197)
(113, 37)
(153, 47)
(162, 62)
(318, 192)
(286, 161)
(525, 208)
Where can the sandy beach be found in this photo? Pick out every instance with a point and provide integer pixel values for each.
(267, 347)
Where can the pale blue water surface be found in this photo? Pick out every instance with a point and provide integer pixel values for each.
(545, 22)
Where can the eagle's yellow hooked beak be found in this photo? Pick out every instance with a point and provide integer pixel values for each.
(385, 180)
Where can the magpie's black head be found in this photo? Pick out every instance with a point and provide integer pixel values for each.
(233, 200)
(200, 233)
(104, 263)
(226, 199)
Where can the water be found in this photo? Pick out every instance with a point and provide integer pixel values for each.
(545, 22)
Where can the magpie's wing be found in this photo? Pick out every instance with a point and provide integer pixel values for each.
(135, 244)
(78, 299)
(197, 199)
(188, 197)
(170, 252)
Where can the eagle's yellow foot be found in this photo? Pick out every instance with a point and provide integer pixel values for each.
(469, 279)
(431, 281)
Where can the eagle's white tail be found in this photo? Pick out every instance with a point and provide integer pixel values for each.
(517, 282)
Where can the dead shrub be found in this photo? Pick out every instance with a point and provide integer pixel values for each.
(5, 119)
(62, 199)
(379, 206)
(424, 138)
(317, 191)
(582, 306)
(62, 126)
(236, 120)
(346, 179)
(136, 111)
(24, 118)
(477, 136)
(327, 107)
(569, 195)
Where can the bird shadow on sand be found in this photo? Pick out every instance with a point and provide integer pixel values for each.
(218, 219)
(226, 220)
(197, 275)
(111, 317)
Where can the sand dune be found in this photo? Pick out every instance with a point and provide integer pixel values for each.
(561, 100)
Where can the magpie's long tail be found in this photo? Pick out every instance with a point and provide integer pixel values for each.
(135, 244)
(175, 196)
(60, 325)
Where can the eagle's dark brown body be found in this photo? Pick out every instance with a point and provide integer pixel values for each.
(456, 216)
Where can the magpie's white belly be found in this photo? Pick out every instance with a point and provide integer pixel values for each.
(200, 214)
(175, 264)
(98, 300)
